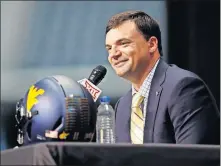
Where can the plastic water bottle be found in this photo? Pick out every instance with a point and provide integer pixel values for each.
(105, 126)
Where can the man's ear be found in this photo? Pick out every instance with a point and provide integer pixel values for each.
(153, 44)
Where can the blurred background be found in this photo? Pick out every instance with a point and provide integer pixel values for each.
(43, 38)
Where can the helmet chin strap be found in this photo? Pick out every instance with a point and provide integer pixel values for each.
(21, 119)
(20, 137)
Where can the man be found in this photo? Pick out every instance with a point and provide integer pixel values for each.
(166, 104)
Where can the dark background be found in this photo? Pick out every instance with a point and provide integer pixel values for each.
(193, 44)
(194, 39)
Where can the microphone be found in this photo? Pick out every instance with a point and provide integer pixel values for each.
(94, 79)
(97, 74)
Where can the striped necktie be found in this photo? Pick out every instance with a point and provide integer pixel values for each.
(137, 120)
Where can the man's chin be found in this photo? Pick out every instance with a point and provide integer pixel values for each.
(121, 73)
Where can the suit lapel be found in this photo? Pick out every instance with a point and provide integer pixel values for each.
(153, 100)
(128, 113)
(123, 119)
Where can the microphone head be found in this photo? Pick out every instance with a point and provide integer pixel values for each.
(97, 74)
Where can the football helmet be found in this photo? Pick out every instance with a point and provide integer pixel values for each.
(55, 108)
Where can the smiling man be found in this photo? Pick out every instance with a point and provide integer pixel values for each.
(166, 104)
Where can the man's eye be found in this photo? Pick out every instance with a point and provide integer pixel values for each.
(108, 48)
(124, 43)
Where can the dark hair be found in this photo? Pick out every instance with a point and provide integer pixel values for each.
(145, 24)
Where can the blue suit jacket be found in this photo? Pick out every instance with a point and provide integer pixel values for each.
(180, 109)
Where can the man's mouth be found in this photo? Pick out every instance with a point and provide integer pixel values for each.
(120, 63)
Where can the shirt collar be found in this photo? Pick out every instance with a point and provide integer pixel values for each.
(152, 70)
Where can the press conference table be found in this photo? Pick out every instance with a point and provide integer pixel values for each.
(92, 154)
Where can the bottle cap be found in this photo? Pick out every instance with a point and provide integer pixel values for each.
(105, 99)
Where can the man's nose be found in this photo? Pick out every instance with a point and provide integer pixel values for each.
(114, 53)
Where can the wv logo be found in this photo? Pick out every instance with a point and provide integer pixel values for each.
(32, 97)
(63, 135)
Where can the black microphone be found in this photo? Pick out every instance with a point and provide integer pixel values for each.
(94, 79)
(97, 74)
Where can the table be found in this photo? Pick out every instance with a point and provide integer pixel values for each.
(92, 154)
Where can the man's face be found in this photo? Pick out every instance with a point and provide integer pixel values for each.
(127, 48)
